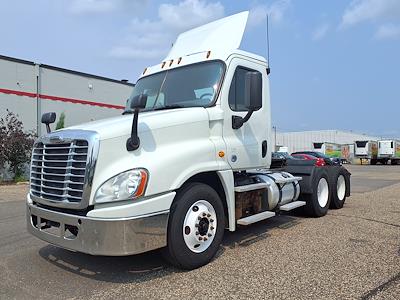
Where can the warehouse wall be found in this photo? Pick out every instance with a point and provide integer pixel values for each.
(300, 141)
(82, 97)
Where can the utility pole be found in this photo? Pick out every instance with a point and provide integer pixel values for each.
(38, 101)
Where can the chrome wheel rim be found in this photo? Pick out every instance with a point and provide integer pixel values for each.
(341, 187)
(199, 226)
(323, 192)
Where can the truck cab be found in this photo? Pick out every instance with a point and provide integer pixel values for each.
(188, 159)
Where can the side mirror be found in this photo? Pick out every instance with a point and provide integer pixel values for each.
(138, 102)
(253, 98)
(47, 119)
(253, 90)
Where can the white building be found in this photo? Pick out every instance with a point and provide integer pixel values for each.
(303, 140)
(30, 89)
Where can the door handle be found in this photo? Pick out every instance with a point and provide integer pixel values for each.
(264, 148)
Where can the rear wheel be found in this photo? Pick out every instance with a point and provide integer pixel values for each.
(196, 227)
(317, 203)
(339, 190)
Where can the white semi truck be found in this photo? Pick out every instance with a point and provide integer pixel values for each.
(389, 150)
(189, 158)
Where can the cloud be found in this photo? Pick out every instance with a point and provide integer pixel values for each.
(320, 32)
(370, 10)
(149, 39)
(101, 6)
(388, 31)
(275, 12)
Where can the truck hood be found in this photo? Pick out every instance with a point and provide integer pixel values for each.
(148, 121)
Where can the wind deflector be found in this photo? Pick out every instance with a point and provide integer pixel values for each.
(222, 36)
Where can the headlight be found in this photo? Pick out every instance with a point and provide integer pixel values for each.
(127, 185)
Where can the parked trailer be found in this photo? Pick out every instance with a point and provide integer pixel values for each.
(389, 150)
(194, 162)
(347, 153)
(366, 150)
(329, 149)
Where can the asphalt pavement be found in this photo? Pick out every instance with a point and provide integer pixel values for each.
(352, 253)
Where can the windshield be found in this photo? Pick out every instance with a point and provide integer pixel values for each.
(188, 86)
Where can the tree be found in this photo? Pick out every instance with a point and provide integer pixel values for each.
(61, 120)
(15, 144)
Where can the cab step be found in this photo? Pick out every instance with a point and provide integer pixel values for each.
(292, 205)
(256, 218)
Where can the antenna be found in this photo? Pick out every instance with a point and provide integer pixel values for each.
(267, 41)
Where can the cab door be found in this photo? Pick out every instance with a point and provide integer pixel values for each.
(250, 145)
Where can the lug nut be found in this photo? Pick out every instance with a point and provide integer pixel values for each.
(211, 220)
(204, 214)
(209, 215)
(212, 228)
(209, 235)
(196, 225)
(199, 218)
(205, 239)
(200, 238)
(197, 233)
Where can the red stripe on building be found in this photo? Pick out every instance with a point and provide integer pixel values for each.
(62, 99)
(18, 93)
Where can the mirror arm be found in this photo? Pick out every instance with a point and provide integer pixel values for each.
(133, 142)
(48, 128)
(238, 122)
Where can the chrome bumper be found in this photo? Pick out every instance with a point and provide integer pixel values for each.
(113, 237)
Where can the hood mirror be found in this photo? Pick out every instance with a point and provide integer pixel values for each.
(137, 103)
(47, 119)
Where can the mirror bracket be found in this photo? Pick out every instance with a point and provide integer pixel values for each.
(238, 122)
(133, 142)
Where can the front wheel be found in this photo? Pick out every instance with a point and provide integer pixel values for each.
(195, 228)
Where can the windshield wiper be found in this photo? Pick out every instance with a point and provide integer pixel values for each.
(168, 107)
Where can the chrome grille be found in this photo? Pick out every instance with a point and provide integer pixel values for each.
(58, 170)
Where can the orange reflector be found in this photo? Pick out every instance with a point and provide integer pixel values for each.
(208, 54)
(221, 154)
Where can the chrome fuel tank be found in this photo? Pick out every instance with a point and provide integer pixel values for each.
(280, 193)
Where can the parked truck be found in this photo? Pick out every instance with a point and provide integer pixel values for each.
(389, 150)
(366, 150)
(189, 158)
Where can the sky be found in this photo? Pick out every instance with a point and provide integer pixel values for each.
(334, 64)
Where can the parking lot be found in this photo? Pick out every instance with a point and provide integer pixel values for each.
(351, 253)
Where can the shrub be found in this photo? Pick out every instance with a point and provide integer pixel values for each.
(61, 120)
(15, 144)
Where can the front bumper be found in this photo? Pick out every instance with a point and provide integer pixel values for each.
(113, 237)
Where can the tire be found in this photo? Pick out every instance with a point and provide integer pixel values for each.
(195, 227)
(373, 161)
(317, 203)
(338, 190)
